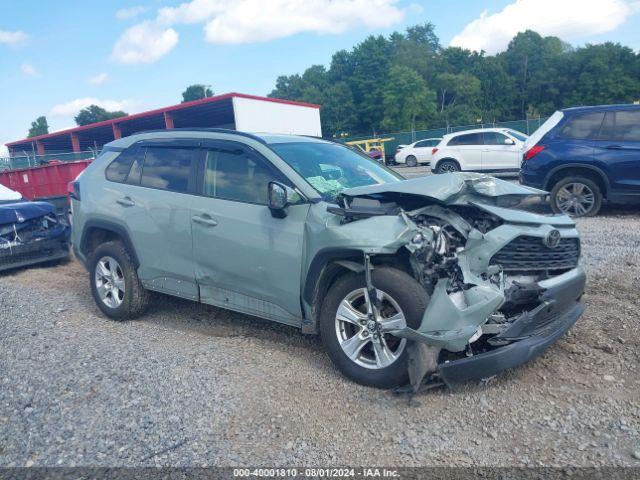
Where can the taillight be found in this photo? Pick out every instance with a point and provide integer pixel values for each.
(433, 152)
(73, 188)
(532, 152)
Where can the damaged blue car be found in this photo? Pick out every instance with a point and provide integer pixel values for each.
(30, 232)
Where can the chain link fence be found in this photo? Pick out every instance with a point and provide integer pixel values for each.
(26, 161)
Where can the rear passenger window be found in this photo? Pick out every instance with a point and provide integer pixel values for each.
(235, 174)
(167, 168)
(582, 126)
(621, 126)
(469, 139)
(118, 170)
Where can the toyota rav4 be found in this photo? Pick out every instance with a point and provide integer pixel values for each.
(434, 278)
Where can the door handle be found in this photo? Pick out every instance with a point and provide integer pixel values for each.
(125, 202)
(204, 220)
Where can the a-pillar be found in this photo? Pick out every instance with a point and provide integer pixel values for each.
(168, 120)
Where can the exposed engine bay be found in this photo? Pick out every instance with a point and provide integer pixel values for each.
(31, 232)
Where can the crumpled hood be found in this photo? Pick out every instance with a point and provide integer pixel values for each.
(23, 211)
(451, 188)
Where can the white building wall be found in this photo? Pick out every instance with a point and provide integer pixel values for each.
(260, 116)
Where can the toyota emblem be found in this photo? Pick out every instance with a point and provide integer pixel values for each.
(552, 240)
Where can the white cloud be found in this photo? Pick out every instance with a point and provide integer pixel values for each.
(29, 70)
(130, 13)
(74, 106)
(567, 19)
(98, 79)
(13, 38)
(145, 42)
(249, 21)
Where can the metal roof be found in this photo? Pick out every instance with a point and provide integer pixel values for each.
(212, 111)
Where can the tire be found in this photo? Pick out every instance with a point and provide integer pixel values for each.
(129, 302)
(576, 196)
(411, 161)
(412, 300)
(447, 166)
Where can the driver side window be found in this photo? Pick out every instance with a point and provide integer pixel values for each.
(238, 175)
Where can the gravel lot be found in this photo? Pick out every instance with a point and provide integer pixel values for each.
(195, 385)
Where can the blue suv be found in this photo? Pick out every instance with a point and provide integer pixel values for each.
(585, 155)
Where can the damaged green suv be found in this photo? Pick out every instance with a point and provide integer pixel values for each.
(433, 278)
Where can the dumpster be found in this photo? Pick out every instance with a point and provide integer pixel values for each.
(46, 182)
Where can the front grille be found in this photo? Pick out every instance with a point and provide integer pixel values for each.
(530, 253)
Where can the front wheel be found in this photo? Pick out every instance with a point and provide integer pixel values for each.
(576, 196)
(115, 285)
(447, 166)
(350, 325)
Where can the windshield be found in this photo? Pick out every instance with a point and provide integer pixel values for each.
(520, 136)
(331, 168)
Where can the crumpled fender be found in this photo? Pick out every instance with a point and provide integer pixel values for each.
(23, 211)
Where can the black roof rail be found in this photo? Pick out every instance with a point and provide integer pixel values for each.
(205, 129)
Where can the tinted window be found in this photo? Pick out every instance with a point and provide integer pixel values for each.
(167, 168)
(469, 139)
(235, 174)
(118, 170)
(586, 125)
(621, 126)
(425, 143)
(495, 138)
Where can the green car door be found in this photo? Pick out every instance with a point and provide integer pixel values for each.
(244, 258)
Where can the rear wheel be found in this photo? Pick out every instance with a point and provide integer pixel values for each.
(576, 196)
(447, 166)
(412, 161)
(350, 326)
(115, 285)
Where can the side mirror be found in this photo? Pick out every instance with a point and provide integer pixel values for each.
(278, 199)
(509, 141)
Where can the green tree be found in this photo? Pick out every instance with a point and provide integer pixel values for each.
(94, 113)
(338, 113)
(39, 127)
(459, 98)
(196, 92)
(408, 102)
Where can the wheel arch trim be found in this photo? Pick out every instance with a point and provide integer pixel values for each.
(112, 227)
(598, 171)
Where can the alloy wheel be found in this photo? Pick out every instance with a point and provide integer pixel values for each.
(358, 324)
(448, 168)
(109, 280)
(575, 199)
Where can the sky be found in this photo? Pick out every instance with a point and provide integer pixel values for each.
(134, 55)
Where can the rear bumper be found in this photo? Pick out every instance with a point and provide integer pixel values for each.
(531, 334)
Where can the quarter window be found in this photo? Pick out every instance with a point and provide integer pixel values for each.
(118, 170)
(235, 174)
(167, 168)
(582, 126)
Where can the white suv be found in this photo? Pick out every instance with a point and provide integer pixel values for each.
(417, 152)
(483, 149)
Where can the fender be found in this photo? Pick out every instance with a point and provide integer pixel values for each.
(119, 230)
(323, 258)
(586, 166)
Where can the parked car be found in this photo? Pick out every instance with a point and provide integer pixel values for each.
(489, 150)
(307, 232)
(585, 155)
(30, 232)
(417, 153)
